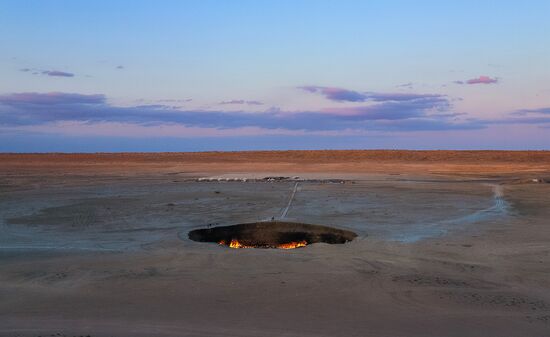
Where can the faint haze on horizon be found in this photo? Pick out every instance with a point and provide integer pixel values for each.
(111, 76)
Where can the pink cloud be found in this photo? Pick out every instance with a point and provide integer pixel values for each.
(482, 80)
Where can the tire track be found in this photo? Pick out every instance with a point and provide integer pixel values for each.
(285, 210)
(499, 208)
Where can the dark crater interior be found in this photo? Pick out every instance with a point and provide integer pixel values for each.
(271, 234)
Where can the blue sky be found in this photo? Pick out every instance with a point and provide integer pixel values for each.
(231, 75)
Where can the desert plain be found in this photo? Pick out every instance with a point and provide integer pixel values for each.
(449, 243)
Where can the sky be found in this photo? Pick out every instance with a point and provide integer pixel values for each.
(109, 76)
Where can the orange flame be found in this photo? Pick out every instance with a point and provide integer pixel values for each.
(290, 245)
(236, 244)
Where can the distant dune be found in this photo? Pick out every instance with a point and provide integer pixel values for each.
(321, 156)
(353, 161)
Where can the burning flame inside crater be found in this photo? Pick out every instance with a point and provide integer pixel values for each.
(290, 245)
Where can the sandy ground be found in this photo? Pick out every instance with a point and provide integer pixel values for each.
(450, 244)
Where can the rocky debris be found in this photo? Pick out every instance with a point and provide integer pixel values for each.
(276, 178)
(531, 181)
(219, 179)
(272, 179)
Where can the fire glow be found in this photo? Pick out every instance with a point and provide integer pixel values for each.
(289, 245)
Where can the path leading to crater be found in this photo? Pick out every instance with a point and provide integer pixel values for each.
(285, 210)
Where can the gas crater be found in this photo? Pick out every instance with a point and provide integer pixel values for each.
(271, 234)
